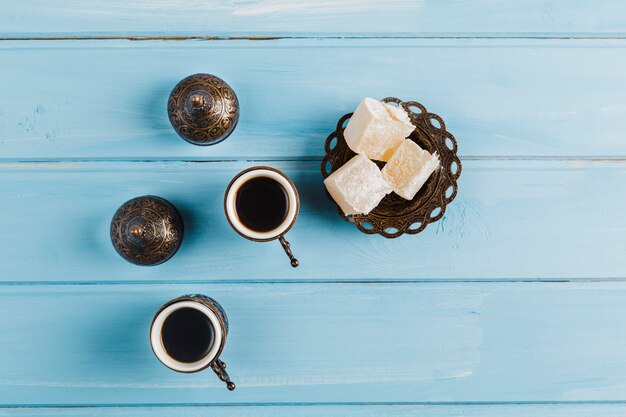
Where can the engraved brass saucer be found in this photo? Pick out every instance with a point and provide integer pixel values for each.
(147, 230)
(203, 109)
(394, 215)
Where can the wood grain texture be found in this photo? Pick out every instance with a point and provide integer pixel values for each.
(311, 343)
(511, 220)
(107, 99)
(534, 92)
(306, 17)
(491, 410)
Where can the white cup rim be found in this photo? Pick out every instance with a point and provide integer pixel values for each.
(157, 342)
(292, 200)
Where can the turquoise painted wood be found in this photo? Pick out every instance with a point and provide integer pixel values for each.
(323, 343)
(512, 305)
(318, 18)
(496, 410)
(511, 220)
(107, 99)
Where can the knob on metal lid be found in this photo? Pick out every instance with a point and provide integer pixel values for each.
(147, 230)
(203, 109)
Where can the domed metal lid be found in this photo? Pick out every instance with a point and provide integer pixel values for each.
(147, 230)
(203, 109)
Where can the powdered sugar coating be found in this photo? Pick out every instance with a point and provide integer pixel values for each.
(358, 186)
(376, 129)
(409, 168)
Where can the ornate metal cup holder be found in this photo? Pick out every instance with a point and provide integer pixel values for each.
(394, 215)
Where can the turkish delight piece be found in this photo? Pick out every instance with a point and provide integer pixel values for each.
(376, 129)
(358, 186)
(409, 168)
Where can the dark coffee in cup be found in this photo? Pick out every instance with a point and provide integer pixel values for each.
(261, 204)
(187, 335)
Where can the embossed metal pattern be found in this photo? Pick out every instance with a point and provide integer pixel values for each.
(394, 215)
(147, 230)
(203, 109)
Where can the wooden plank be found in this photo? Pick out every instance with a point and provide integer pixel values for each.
(319, 18)
(330, 343)
(511, 220)
(107, 99)
(495, 410)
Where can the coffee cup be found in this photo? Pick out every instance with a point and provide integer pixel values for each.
(262, 204)
(188, 334)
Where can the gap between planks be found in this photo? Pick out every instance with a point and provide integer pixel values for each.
(317, 404)
(306, 281)
(309, 37)
(35, 161)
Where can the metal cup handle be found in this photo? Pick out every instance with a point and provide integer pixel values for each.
(219, 368)
(287, 247)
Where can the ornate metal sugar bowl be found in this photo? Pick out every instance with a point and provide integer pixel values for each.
(147, 230)
(203, 109)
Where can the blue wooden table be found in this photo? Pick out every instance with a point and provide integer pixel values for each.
(513, 304)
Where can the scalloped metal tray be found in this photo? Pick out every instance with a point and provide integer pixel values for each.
(394, 215)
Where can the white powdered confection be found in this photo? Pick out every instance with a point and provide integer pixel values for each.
(358, 186)
(376, 129)
(409, 168)
(400, 115)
